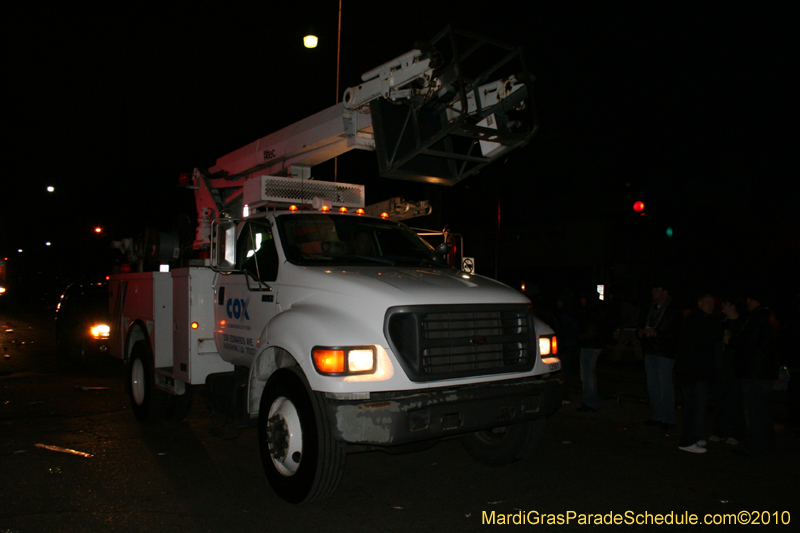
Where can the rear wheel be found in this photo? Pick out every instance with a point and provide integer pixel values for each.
(147, 402)
(302, 460)
(503, 445)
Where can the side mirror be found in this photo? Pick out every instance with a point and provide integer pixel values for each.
(223, 256)
(444, 249)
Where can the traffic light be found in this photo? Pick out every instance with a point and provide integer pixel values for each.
(639, 207)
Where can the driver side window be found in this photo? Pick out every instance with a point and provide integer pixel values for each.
(256, 253)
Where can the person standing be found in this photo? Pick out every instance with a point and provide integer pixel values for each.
(659, 336)
(591, 340)
(757, 370)
(726, 390)
(694, 363)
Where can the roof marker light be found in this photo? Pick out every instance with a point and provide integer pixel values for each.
(293, 208)
(384, 215)
(325, 208)
(343, 209)
(360, 211)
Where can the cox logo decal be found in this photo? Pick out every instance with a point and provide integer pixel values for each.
(237, 308)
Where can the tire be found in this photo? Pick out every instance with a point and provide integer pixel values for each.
(147, 402)
(302, 460)
(504, 445)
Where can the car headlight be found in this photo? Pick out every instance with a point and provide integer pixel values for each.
(344, 361)
(100, 331)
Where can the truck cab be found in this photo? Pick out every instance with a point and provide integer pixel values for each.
(357, 281)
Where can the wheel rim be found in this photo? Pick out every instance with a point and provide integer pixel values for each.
(284, 436)
(137, 381)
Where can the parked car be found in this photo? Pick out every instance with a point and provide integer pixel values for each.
(83, 322)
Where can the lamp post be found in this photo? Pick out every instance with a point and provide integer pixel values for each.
(311, 41)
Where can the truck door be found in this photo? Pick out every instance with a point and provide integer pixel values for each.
(246, 297)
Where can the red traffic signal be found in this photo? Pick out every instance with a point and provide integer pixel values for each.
(638, 207)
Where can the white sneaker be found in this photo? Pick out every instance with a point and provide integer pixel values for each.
(701, 443)
(732, 441)
(694, 448)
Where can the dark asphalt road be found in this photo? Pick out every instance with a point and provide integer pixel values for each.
(177, 477)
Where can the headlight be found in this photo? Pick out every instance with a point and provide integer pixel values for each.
(2, 290)
(548, 345)
(344, 361)
(100, 331)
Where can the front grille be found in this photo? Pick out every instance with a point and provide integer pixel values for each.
(452, 341)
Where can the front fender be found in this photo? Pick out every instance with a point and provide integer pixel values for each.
(306, 325)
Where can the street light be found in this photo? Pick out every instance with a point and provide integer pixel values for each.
(311, 41)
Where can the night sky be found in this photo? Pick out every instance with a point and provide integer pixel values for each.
(685, 106)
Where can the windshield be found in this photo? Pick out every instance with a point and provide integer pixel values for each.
(340, 240)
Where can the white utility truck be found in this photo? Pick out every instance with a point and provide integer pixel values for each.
(332, 329)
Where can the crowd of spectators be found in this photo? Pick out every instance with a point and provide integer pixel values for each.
(718, 357)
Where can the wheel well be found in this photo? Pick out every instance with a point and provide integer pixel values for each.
(136, 332)
(265, 364)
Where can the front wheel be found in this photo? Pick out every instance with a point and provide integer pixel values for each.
(302, 460)
(503, 445)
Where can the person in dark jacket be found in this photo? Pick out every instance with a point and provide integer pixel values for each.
(694, 365)
(659, 339)
(726, 389)
(757, 370)
(591, 339)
